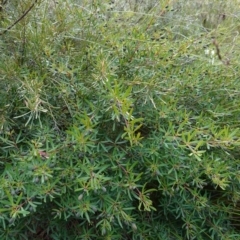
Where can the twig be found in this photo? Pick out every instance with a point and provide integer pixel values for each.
(227, 62)
(19, 19)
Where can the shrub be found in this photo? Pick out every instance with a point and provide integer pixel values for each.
(118, 124)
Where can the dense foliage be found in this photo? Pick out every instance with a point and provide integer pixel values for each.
(119, 120)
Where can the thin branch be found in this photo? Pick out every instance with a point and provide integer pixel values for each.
(226, 62)
(19, 19)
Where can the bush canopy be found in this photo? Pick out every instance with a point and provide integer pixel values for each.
(119, 120)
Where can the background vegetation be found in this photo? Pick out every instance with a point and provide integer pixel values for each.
(119, 119)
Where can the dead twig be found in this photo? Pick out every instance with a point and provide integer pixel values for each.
(227, 62)
(19, 19)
